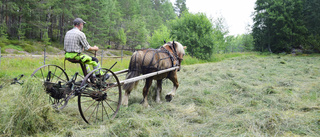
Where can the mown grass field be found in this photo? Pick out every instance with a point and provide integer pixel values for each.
(238, 95)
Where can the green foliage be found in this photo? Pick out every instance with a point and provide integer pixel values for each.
(138, 47)
(19, 48)
(108, 46)
(239, 43)
(313, 44)
(181, 7)
(122, 37)
(108, 21)
(128, 53)
(3, 31)
(46, 39)
(282, 26)
(159, 36)
(28, 46)
(194, 31)
(219, 33)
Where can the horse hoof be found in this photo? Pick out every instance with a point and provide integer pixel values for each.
(168, 98)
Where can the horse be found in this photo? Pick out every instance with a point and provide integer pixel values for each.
(152, 60)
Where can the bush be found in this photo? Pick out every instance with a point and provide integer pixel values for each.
(15, 42)
(14, 47)
(2, 44)
(129, 53)
(30, 48)
(116, 53)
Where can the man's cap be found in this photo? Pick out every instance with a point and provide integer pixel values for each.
(78, 21)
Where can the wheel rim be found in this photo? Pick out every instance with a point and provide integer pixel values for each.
(99, 100)
(52, 77)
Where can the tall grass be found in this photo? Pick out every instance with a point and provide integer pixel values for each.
(25, 110)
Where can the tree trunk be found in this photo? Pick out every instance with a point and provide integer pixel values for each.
(20, 27)
(61, 28)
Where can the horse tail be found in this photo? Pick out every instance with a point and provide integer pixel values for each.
(134, 71)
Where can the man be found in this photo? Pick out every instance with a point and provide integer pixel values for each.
(75, 42)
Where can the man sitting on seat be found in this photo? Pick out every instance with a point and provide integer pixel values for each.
(75, 42)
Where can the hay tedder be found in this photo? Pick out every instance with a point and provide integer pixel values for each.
(98, 98)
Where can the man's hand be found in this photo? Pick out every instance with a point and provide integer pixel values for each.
(94, 48)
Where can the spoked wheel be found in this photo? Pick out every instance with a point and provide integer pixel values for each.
(100, 98)
(54, 79)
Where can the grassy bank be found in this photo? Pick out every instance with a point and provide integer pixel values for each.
(246, 95)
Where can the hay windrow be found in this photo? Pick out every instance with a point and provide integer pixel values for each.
(27, 111)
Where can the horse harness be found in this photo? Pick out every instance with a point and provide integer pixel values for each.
(150, 66)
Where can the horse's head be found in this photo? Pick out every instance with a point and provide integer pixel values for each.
(177, 50)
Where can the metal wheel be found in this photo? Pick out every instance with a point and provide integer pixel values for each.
(55, 80)
(99, 99)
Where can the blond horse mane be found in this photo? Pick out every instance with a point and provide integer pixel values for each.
(179, 47)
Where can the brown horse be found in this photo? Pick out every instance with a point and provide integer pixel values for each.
(152, 60)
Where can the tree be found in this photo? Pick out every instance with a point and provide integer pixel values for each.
(195, 31)
(278, 25)
(159, 36)
(136, 32)
(220, 30)
(311, 17)
(180, 7)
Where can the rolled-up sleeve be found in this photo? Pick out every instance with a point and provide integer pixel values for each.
(84, 42)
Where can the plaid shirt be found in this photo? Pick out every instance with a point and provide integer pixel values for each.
(75, 41)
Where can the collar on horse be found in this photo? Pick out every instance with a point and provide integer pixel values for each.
(174, 52)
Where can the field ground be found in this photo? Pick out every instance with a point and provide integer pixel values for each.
(242, 96)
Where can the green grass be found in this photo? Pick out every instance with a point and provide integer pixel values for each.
(188, 60)
(14, 66)
(242, 95)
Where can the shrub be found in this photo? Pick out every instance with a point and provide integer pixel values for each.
(15, 42)
(14, 47)
(30, 48)
(116, 53)
(129, 53)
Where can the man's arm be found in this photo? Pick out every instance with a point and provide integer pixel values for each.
(94, 48)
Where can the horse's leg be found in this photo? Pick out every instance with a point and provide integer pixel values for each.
(146, 91)
(174, 79)
(159, 89)
(125, 99)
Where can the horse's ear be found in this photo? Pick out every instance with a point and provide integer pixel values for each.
(164, 41)
(184, 47)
